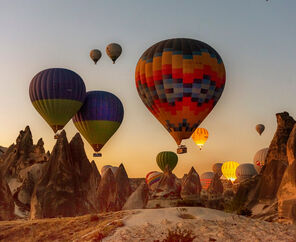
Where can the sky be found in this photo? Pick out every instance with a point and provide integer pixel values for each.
(256, 40)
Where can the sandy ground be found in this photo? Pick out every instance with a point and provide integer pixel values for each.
(147, 225)
(206, 225)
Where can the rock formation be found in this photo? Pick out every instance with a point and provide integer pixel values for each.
(191, 186)
(216, 186)
(123, 187)
(22, 155)
(22, 165)
(169, 187)
(276, 161)
(106, 192)
(287, 191)
(6, 201)
(215, 193)
(63, 190)
(138, 199)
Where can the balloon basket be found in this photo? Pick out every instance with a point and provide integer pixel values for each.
(182, 149)
(97, 155)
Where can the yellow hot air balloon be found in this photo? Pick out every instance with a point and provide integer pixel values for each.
(200, 137)
(229, 168)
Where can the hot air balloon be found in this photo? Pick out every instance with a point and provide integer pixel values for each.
(57, 94)
(99, 118)
(228, 169)
(217, 168)
(152, 179)
(206, 179)
(106, 167)
(260, 128)
(200, 136)
(167, 160)
(180, 81)
(95, 55)
(113, 50)
(260, 158)
(245, 171)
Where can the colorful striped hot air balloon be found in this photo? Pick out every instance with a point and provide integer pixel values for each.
(99, 118)
(57, 94)
(228, 169)
(167, 160)
(206, 179)
(180, 81)
(200, 137)
(152, 179)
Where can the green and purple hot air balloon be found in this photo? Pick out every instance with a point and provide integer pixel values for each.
(57, 94)
(99, 118)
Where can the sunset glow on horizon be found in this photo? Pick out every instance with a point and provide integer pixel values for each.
(259, 62)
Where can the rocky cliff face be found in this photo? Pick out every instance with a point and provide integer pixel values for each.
(22, 165)
(6, 201)
(287, 191)
(106, 192)
(63, 189)
(22, 155)
(138, 199)
(276, 161)
(191, 186)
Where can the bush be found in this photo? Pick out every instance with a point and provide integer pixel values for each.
(245, 212)
(178, 235)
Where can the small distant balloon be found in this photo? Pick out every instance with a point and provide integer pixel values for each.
(152, 179)
(200, 137)
(206, 179)
(113, 50)
(245, 171)
(260, 128)
(106, 167)
(95, 55)
(260, 159)
(228, 169)
(167, 160)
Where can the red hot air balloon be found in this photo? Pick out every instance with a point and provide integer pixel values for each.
(180, 81)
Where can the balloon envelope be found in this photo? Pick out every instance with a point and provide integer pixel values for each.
(152, 179)
(57, 94)
(245, 171)
(206, 179)
(260, 159)
(260, 128)
(113, 50)
(95, 55)
(167, 160)
(106, 167)
(228, 169)
(180, 81)
(99, 118)
(200, 136)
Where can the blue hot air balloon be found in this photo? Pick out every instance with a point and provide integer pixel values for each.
(57, 94)
(99, 118)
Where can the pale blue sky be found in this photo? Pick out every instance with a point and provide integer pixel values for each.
(256, 40)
